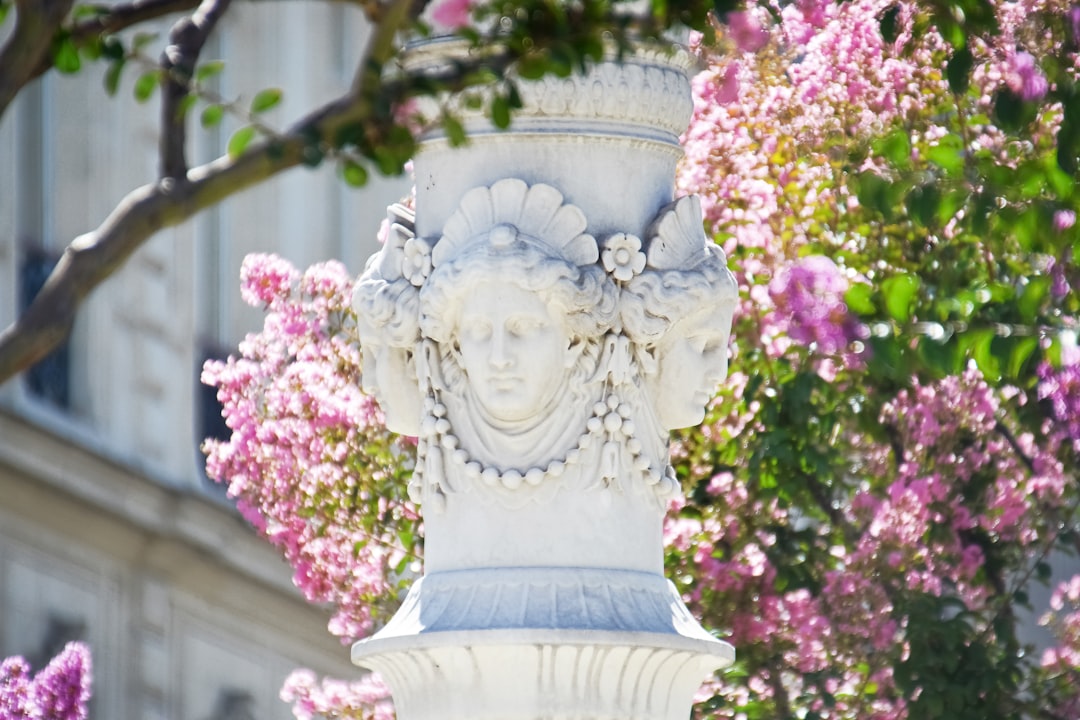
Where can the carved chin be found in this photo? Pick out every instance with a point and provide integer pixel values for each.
(401, 410)
(681, 412)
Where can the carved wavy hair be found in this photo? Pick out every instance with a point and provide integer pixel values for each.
(657, 299)
(392, 308)
(584, 296)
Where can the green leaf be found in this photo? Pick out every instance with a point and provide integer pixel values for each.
(186, 103)
(146, 84)
(208, 70)
(240, 140)
(65, 55)
(500, 112)
(513, 97)
(890, 26)
(958, 70)
(1032, 297)
(1011, 112)
(896, 148)
(112, 76)
(1060, 181)
(948, 154)
(942, 357)
(877, 193)
(900, 292)
(983, 354)
(950, 204)
(923, 203)
(1026, 228)
(455, 132)
(354, 173)
(5, 7)
(1021, 351)
(211, 115)
(113, 49)
(265, 99)
(860, 299)
(532, 66)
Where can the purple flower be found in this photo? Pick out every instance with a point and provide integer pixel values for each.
(451, 14)
(727, 91)
(63, 686)
(1059, 388)
(265, 279)
(1073, 18)
(1064, 219)
(747, 31)
(60, 691)
(1024, 77)
(810, 292)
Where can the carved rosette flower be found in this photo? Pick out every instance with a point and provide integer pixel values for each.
(416, 265)
(622, 256)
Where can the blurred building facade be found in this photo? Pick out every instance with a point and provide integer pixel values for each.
(109, 530)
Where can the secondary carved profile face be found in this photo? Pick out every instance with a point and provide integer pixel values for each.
(514, 348)
(692, 361)
(389, 376)
(678, 313)
(387, 305)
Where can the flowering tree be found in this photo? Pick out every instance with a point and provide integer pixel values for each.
(59, 691)
(891, 467)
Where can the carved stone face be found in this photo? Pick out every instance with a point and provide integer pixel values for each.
(390, 376)
(691, 361)
(515, 350)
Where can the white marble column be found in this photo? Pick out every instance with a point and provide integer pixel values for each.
(542, 323)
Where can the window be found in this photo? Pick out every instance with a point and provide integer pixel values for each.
(50, 379)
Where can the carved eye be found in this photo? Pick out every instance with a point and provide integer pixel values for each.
(477, 331)
(708, 343)
(522, 325)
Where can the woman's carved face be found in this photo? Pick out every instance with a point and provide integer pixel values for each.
(389, 374)
(515, 349)
(691, 361)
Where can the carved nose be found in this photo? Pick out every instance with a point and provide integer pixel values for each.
(499, 358)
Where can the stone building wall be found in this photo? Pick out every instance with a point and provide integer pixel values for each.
(109, 530)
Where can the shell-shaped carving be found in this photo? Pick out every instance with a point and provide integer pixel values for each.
(536, 212)
(676, 237)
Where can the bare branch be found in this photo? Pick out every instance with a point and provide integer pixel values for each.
(122, 16)
(36, 22)
(93, 257)
(178, 60)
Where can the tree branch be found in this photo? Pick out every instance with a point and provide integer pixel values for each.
(178, 60)
(93, 257)
(122, 16)
(36, 22)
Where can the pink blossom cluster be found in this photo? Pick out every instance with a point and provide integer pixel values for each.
(59, 691)
(953, 440)
(1064, 619)
(1062, 661)
(952, 479)
(301, 461)
(760, 147)
(1059, 388)
(809, 307)
(827, 635)
(365, 699)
